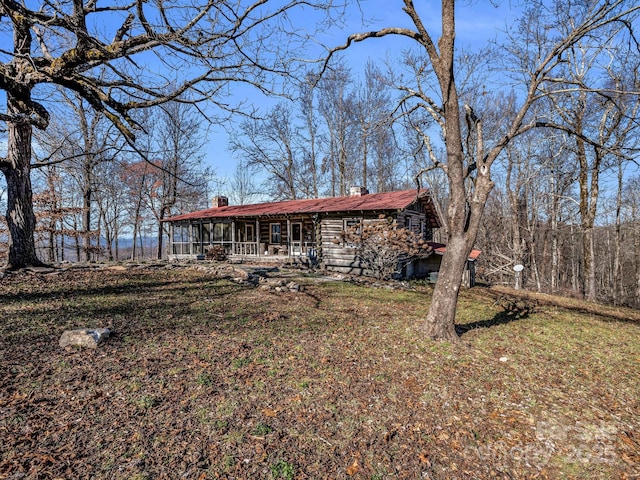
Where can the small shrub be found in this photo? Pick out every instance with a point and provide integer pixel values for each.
(262, 429)
(221, 425)
(240, 362)
(205, 379)
(283, 469)
(145, 402)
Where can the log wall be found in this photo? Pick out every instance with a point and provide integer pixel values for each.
(336, 255)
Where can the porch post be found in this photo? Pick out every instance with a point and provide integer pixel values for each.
(190, 237)
(233, 237)
(288, 237)
(257, 237)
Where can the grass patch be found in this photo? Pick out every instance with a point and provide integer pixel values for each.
(204, 378)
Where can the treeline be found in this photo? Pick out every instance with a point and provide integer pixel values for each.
(565, 204)
(340, 130)
(538, 217)
(96, 198)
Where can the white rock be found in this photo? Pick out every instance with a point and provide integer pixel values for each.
(85, 337)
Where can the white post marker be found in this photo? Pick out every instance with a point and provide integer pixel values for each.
(518, 268)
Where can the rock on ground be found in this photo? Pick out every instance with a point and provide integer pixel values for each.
(85, 337)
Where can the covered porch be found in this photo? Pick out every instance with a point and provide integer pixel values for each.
(267, 238)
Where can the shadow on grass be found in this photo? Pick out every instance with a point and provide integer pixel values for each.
(130, 306)
(125, 285)
(514, 309)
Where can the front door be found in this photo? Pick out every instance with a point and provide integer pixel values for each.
(296, 238)
(249, 245)
(249, 232)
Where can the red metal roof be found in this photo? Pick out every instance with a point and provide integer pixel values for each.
(372, 202)
(440, 248)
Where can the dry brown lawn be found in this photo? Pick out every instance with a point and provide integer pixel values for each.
(205, 378)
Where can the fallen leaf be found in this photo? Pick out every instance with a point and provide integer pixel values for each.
(629, 441)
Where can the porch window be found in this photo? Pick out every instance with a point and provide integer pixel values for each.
(408, 224)
(352, 224)
(249, 232)
(296, 239)
(296, 232)
(180, 239)
(206, 233)
(196, 238)
(221, 232)
(276, 233)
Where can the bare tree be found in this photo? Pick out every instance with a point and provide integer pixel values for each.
(632, 202)
(348, 126)
(51, 212)
(202, 45)
(269, 143)
(137, 179)
(243, 189)
(309, 138)
(334, 107)
(601, 128)
(626, 133)
(110, 200)
(178, 174)
(80, 139)
(372, 110)
(469, 160)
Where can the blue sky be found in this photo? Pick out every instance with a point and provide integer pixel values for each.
(477, 23)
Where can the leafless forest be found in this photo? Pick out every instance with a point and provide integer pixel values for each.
(566, 200)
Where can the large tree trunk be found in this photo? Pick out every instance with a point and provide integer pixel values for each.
(618, 289)
(464, 214)
(555, 253)
(164, 211)
(16, 168)
(588, 178)
(517, 203)
(86, 222)
(440, 321)
(160, 241)
(21, 218)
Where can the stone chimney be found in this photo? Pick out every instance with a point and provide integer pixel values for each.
(220, 201)
(358, 191)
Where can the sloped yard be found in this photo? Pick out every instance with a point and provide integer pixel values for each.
(205, 377)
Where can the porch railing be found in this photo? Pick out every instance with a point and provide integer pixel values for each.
(245, 248)
(302, 249)
(307, 249)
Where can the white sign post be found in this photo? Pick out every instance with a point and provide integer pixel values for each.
(518, 268)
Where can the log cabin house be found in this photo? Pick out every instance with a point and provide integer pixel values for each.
(306, 231)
